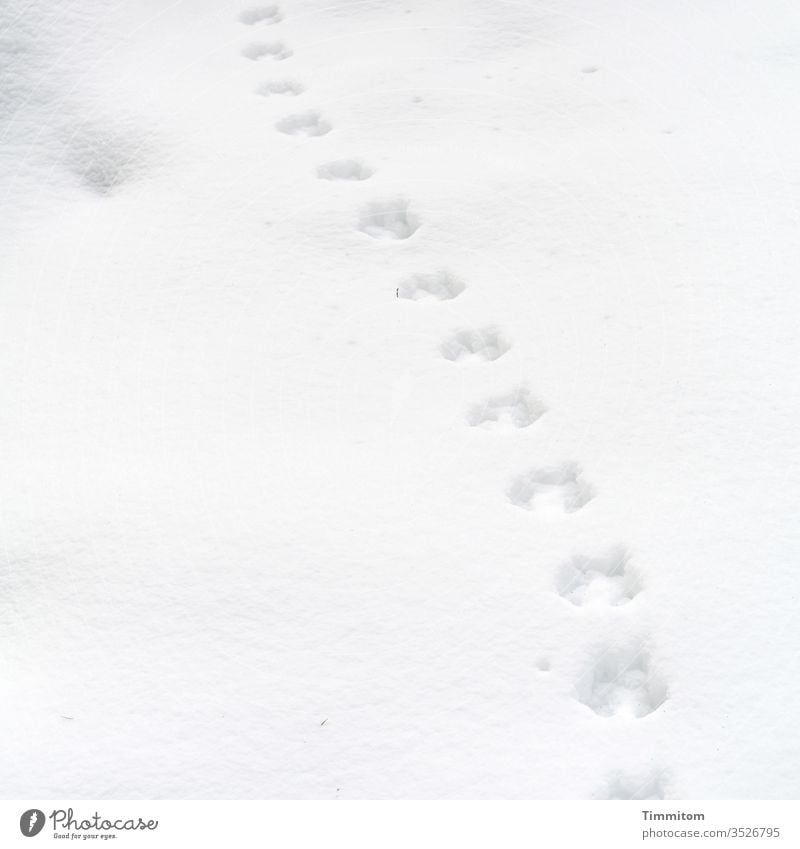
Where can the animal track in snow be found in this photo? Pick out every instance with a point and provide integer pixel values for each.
(620, 682)
(514, 409)
(440, 285)
(643, 786)
(289, 87)
(270, 14)
(344, 169)
(599, 579)
(486, 344)
(551, 489)
(389, 218)
(260, 49)
(309, 123)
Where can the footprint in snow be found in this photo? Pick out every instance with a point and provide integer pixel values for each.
(286, 87)
(605, 578)
(440, 285)
(621, 682)
(514, 409)
(475, 345)
(388, 218)
(309, 123)
(269, 14)
(646, 785)
(344, 169)
(263, 49)
(551, 490)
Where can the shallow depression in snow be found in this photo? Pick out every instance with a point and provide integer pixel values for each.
(270, 14)
(551, 490)
(441, 285)
(310, 123)
(621, 683)
(515, 409)
(484, 344)
(344, 169)
(606, 578)
(388, 219)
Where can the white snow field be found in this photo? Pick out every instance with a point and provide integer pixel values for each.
(399, 399)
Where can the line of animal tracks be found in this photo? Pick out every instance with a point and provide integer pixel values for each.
(621, 684)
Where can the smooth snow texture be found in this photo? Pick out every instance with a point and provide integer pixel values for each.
(399, 400)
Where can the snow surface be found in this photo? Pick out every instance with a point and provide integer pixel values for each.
(399, 399)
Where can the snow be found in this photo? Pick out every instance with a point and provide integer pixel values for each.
(399, 399)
